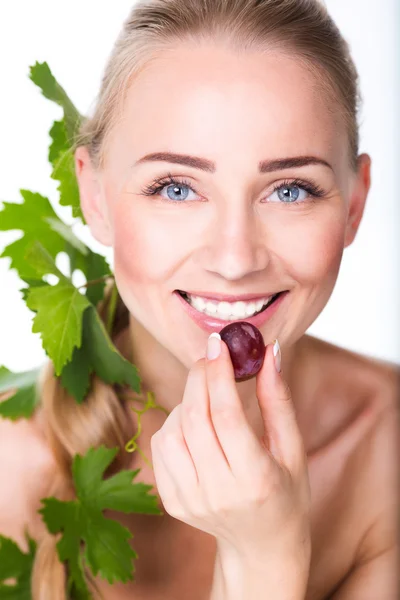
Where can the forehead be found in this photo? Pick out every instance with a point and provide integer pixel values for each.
(206, 100)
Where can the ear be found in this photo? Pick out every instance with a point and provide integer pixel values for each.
(93, 202)
(358, 197)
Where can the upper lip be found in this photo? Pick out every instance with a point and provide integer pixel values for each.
(229, 297)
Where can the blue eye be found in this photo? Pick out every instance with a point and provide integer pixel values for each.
(290, 193)
(172, 186)
(293, 192)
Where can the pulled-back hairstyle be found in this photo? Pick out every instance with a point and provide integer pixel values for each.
(300, 28)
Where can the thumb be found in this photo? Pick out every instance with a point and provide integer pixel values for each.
(282, 434)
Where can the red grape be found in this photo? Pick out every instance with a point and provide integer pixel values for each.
(246, 348)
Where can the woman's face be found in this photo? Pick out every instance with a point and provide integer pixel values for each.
(225, 230)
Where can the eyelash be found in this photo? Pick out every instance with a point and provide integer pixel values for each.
(160, 183)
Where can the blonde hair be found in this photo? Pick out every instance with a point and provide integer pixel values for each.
(302, 29)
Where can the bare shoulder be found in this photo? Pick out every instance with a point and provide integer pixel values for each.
(26, 468)
(361, 372)
(359, 387)
(380, 453)
(373, 385)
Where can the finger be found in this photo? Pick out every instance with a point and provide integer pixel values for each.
(239, 442)
(278, 413)
(175, 468)
(166, 487)
(207, 454)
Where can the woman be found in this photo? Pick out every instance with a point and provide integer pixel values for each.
(221, 164)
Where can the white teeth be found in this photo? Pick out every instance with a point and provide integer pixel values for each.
(238, 309)
(224, 309)
(250, 309)
(259, 304)
(211, 308)
(200, 303)
(228, 311)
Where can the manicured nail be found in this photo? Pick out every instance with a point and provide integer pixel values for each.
(277, 355)
(214, 346)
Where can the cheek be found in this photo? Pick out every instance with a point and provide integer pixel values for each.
(313, 250)
(144, 248)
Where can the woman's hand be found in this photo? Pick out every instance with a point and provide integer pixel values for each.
(213, 473)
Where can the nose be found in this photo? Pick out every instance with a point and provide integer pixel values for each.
(235, 247)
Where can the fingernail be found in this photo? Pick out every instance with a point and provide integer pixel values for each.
(213, 346)
(277, 355)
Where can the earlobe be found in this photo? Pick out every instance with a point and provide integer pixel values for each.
(358, 197)
(92, 201)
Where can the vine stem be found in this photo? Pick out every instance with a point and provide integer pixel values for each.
(95, 281)
(111, 309)
(132, 446)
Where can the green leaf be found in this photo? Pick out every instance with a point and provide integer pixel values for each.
(108, 552)
(97, 353)
(37, 220)
(88, 470)
(61, 156)
(42, 76)
(65, 231)
(23, 402)
(59, 144)
(30, 217)
(58, 320)
(42, 262)
(68, 518)
(15, 564)
(31, 283)
(62, 133)
(64, 173)
(111, 366)
(93, 266)
(75, 376)
(106, 548)
(116, 494)
(59, 309)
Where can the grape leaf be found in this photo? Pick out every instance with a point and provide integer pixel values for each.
(77, 343)
(30, 217)
(61, 156)
(59, 309)
(106, 549)
(93, 266)
(97, 353)
(42, 76)
(24, 401)
(65, 231)
(31, 283)
(15, 564)
(64, 172)
(58, 320)
(62, 134)
(59, 144)
(75, 377)
(36, 218)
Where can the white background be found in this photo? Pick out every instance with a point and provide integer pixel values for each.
(76, 38)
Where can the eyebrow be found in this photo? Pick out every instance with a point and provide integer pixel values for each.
(264, 166)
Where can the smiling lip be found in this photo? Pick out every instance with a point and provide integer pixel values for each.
(210, 324)
(229, 298)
